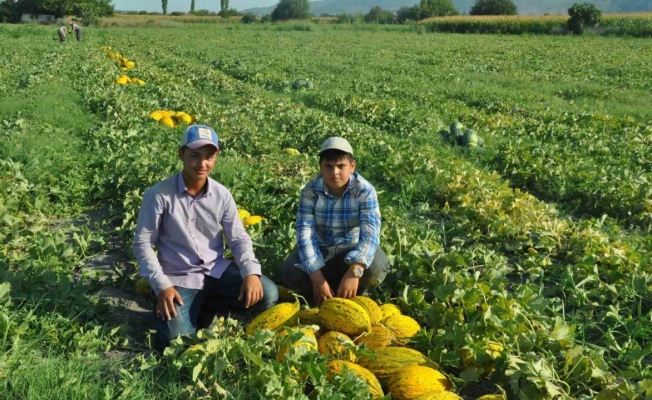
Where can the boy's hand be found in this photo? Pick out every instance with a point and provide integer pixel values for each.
(348, 286)
(321, 290)
(251, 290)
(165, 308)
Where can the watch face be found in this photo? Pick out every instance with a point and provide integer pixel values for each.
(358, 272)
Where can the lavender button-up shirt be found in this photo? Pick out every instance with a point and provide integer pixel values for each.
(189, 235)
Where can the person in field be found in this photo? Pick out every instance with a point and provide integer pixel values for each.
(77, 29)
(338, 231)
(62, 33)
(187, 216)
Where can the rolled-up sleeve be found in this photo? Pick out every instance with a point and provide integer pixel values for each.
(147, 232)
(308, 246)
(239, 240)
(369, 229)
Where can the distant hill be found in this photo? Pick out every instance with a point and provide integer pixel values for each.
(343, 6)
(529, 7)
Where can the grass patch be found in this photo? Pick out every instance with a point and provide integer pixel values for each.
(40, 127)
(74, 378)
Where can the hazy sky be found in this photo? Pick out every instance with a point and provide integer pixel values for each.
(184, 5)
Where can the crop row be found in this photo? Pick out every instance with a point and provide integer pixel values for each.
(474, 260)
(636, 25)
(475, 220)
(588, 162)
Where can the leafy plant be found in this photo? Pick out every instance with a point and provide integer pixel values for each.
(583, 15)
(437, 8)
(291, 9)
(493, 7)
(249, 18)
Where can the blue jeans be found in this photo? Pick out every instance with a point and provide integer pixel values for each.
(224, 290)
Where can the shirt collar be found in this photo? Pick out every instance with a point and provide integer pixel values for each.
(182, 188)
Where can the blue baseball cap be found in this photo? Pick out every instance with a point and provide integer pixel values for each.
(197, 136)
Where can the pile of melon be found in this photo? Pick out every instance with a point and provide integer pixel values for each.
(171, 119)
(338, 325)
(461, 136)
(301, 84)
(126, 80)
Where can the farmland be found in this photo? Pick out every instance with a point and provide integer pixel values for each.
(538, 241)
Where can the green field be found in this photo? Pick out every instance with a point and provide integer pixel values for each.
(540, 240)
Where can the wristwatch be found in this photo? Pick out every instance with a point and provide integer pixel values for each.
(357, 271)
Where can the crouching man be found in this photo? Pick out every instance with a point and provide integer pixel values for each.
(338, 231)
(186, 217)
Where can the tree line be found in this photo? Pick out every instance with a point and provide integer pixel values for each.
(300, 9)
(87, 10)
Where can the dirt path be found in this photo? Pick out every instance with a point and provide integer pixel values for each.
(109, 269)
(111, 274)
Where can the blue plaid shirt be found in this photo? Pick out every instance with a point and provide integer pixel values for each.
(326, 220)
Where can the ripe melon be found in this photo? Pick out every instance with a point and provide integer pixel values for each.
(471, 138)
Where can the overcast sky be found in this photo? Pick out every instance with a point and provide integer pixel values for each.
(184, 5)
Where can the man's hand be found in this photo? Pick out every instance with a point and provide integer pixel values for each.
(321, 290)
(165, 308)
(251, 290)
(348, 286)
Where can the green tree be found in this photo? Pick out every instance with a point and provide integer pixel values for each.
(224, 8)
(493, 7)
(248, 18)
(192, 6)
(291, 9)
(405, 13)
(164, 3)
(437, 8)
(380, 16)
(583, 15)
(88, 10)
(9, 11)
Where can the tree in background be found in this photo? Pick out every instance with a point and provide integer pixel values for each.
(248, 18)
(9, 11)
(493, 7)
(192, 6)
(583, 15)
(380, 16)
(345, 18)
(90, 11)
(291, 9)
(437, 8)
(87, 10)
(164, 3)
(405, 13)
(224, 8)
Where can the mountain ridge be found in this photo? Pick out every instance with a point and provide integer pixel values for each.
(525, 7)
(261, 7)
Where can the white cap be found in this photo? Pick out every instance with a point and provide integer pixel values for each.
(336, 143)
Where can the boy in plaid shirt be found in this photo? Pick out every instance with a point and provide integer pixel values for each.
(338, 231)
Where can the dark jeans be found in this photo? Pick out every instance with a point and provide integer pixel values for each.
(298, 280)
(224, 290)
(79, 35)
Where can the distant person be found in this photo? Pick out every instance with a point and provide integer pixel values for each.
(187, 217)
(62, 33)
(76, 29)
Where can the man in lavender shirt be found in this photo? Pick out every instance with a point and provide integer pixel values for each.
(187, 217)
